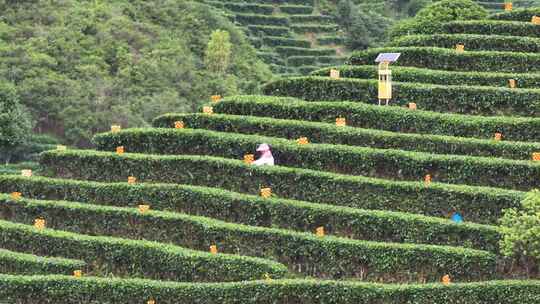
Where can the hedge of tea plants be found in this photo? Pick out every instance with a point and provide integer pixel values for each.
(62, 289)
(295, 183)
(522, 14)
(472, 42)
(364, 224)
(330, 134)
(23, 263)
(366, 161)
(445, 59)
(325, 257)
(479, 100)
(412, 74)
(492, 27)
(395, 119)
(122, 257)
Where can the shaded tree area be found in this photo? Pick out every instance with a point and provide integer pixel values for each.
(80, 66)
(15, 125)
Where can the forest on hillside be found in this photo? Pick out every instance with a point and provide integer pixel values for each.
(80, 66)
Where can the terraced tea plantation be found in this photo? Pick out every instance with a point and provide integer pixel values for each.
(291, 36)
(363, 211)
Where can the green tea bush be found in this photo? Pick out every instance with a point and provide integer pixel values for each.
(476, 204)
(472, 42)
(330, 134)
(306, 253)
(395, 119)
(261, 19)
(412, 74)
(64, 290)
(272, 212)
(123, 257)
(521, 233)
(430, 18)
(439, 98)
(523, 14)
(451, 10)
(445, 59)
(491, 27)
(384, 163)
(23, 263)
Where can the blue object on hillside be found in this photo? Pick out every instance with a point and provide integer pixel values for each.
(456, 217)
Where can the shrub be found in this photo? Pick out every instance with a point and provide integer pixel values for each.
(273, 212)
(307, 253)
(445, 59)
(22, 263)
(253, 8)
(439, 98)
(489, 27)
(269, 30)
(430, 18)
(412, 74)
(477, 204)
(384, 163)
(281, 41)
(63, 290)
(383, 118)
(106, 255)
(472, 42)
(451, 10)
(252, 19)
(300, 51)
(521, 231)
(523, 15)
(330, 134)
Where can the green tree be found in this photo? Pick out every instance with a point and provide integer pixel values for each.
(80, 66)
(218, 53)
(521, 233)
(363, 28)
(15, 126)
(429, 19)
(450, 10)
(414, 6)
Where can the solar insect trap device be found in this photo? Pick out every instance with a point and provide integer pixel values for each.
(385, 75)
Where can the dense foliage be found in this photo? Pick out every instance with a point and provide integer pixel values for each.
(430, 18)
(363, 224)
(330, 134)
(419, 75)
(301, 251)
(123, 257)
(15, 123)
(396, 119)
(363, 27)
(480, 204)
(440, 98)
(22, 263)
(521, 232)
(366, 161)
(81, 66)
(61, 289)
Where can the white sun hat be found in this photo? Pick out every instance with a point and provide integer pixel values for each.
(263, 148)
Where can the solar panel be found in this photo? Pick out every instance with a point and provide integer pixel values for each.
(387, 57)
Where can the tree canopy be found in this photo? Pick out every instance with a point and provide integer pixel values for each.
(15, 126)
(81, 66)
